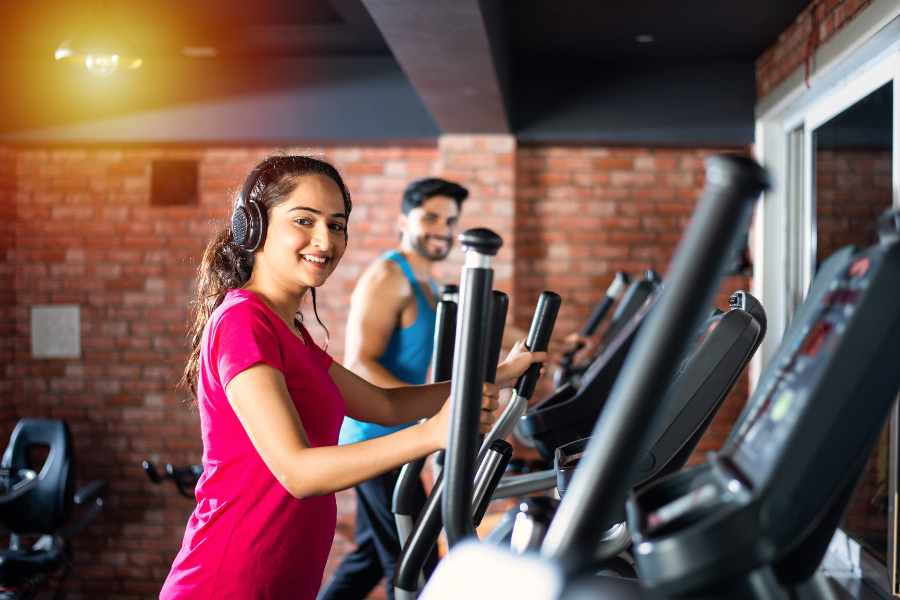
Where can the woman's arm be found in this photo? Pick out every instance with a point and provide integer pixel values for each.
(260, 398)
(387, 406)
(394, 406)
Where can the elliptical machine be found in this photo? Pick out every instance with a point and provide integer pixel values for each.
(631, 416)
(480, 310)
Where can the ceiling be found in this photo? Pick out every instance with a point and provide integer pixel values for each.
(539, 68)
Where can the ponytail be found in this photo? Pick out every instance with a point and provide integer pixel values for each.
(224, 267)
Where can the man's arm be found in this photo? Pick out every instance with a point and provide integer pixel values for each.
(375, 309)
(584, 346)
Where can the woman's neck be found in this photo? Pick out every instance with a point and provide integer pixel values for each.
(284, 302)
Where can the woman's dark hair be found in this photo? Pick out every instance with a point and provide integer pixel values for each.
(226, 266)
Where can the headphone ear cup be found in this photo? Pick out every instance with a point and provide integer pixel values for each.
(257, 226)
(240, 226)
(248, 220)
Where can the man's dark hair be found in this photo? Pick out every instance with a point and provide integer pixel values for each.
(419, 191)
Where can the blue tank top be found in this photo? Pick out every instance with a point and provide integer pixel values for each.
(407, 355)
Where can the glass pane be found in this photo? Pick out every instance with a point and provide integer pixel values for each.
(853, 186)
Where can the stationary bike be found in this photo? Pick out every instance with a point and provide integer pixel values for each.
(38, 506)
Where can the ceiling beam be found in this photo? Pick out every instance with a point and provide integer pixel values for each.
(454, 53)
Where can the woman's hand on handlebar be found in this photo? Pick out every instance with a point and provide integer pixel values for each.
(517, 362)
(439, 424)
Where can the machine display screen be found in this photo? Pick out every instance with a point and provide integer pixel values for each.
(777, 408)
(816, 338)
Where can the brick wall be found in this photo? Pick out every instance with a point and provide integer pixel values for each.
(86, 235)
(853, 187)
(812, 28)
(7, 292)
(485, 165)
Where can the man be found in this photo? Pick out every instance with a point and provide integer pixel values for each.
(389, 340)
(390, 333)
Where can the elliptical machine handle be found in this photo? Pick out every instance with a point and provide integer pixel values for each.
(496, 324)
(444, 335)
(490, 471)
(613, 293)
(403, 504)
(538, 339)
(467, 384)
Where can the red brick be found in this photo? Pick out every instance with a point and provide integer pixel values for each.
(789, 51)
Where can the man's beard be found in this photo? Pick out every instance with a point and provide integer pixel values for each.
(421, 246)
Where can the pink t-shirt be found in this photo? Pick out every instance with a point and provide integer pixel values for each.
(248, 538)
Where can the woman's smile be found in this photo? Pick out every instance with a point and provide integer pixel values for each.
(318, 261)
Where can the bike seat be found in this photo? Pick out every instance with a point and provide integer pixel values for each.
(18, 567)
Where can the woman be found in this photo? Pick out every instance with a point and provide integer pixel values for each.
(271, 402)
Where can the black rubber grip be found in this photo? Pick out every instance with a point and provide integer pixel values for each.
(421, 540)
(405, 501)
(538, 338)
(497, 321)
(444, 341)
(505, 450)
(615, 289)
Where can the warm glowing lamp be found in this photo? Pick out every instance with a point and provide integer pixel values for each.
(101, 63)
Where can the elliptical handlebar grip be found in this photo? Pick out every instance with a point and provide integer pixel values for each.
(538, 339)
(613, 292)
(488, 477)
(444, 340)
(403, 500)
(496, 324)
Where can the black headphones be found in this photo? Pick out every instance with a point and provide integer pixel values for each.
(248, 220)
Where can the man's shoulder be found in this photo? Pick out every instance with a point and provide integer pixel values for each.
(384, 276)
(384, 268)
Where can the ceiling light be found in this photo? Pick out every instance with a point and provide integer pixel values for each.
(644, 38)
(98, 61)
